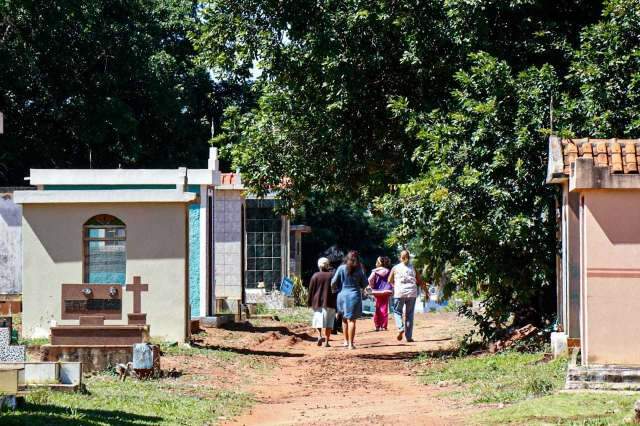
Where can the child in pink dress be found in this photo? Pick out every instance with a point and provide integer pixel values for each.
(382, 291)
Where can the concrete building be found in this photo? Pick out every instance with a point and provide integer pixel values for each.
(191, 234)
(599, 263)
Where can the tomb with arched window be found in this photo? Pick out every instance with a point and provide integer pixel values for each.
(146, 250)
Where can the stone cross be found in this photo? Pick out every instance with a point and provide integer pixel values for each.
(137, 317)
(137, 289)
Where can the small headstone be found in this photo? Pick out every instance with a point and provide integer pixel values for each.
(636, 408)
(8, 352)
(146, 360)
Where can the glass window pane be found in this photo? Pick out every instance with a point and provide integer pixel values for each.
(105, 251)
(106, 263)
(263, 243)
(96, 233)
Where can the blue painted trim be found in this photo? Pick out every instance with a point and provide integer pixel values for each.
(194, 259)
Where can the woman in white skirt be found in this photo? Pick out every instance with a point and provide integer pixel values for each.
(322, 301)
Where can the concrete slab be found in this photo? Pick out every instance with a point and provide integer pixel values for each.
(216, 321)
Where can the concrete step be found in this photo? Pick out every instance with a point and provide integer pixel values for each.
(99, 334)
(603, 378)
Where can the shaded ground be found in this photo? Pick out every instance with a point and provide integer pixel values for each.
(269, 372)
(374, 384)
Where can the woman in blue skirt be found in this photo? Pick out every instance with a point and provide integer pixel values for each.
(348, 281)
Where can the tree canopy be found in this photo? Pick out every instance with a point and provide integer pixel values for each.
(331, 72)
(103, 83)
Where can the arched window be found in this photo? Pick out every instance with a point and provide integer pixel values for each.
(105, 250)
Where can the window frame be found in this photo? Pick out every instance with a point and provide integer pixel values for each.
(116, 223)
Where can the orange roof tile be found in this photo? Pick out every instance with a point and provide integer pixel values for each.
(228, 178)
(619, 155)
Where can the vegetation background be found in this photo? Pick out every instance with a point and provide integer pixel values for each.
(382, 123)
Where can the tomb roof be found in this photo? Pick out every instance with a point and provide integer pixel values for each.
(113, 196)
(121, 177)
(620, 156)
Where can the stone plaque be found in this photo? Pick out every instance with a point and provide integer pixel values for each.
(91, 299)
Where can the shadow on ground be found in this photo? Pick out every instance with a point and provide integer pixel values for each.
(247, 351)
(36, 414)
(408, 356)
(247, 327)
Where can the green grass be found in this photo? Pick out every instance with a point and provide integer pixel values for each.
(180, 350)
(584, 408)
(529, 387)
(164, 402)
(503, 378)
(226, 356)
(296, 315)
(33, 341)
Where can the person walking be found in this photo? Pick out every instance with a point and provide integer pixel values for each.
(323, 301)
(382, 291)
(349, 281)
(405, 282)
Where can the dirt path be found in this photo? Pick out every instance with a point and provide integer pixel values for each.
(375, 384)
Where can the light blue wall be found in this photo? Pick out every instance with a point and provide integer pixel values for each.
(194, 259)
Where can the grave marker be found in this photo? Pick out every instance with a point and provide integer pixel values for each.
(137, 317)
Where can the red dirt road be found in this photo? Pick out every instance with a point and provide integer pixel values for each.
(375, 384)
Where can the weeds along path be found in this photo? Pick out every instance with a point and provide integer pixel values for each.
(375, 384)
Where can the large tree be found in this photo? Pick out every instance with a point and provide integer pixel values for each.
(105, 83)
(479, 210)
(603, 94)
(329, 72)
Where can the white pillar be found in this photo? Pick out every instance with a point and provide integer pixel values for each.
(213, 163)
